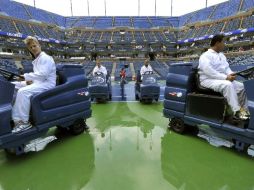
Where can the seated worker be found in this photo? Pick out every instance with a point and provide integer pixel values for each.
(216, 74)
(145, 68)
(41, 79)
(99, 68)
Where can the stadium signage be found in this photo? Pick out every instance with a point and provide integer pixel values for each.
(228, 33)
(15, 35)
(19, 35)
(43, 39)
(235, 32)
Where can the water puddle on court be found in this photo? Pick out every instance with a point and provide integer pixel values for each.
(128, 147)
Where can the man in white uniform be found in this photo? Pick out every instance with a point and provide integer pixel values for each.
(99, 68)
(145, 68)
(41, 79)
(216, 74)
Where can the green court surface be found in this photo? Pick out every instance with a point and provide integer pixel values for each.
(128, 148)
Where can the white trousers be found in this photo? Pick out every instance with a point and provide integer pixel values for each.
(233, 92)
(22, 105)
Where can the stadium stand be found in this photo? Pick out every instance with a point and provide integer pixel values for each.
(88, 67)
(247, 4)
(219, 11)
(27, 66)
(106, 36)
(245, 59)
(8, 64)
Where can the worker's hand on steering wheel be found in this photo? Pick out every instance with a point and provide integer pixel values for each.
(98, 73)
(28, 82)
(231, 77)
(21, 78)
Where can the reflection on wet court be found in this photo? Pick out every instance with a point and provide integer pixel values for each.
(128, 147)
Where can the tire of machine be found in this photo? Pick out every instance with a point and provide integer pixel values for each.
(177, 125)
(240, 146)
(78, 127)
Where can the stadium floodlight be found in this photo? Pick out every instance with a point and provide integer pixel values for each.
(105, 6)
(171, 7)
(71, 8)
(88, 11)
(155, 7)
(138, 7)
(122, 32)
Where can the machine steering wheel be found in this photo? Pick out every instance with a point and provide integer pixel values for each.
(99, 74)
(246, 73)
(9, 75)
(148, 72)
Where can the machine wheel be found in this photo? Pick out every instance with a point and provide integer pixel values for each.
(78, 127)
(177, 125)
(136, 97)
(10, 152)
(150, 101)
(61, 129)
(14, 151)
(110, 96)
(240, 146)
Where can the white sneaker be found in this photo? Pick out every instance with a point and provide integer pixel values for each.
(245, 112)
(243, 116)
(239, 116)
(21, 127)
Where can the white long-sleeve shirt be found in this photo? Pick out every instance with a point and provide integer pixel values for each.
(213, 65)
(145, 69)
(43, 77)
(102, 69)
(44, 71)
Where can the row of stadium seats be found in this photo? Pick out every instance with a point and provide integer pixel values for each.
(25, 12)
(7, 24)
(109, 66)
(244, 59)
(109, 22)
(219, 11)
(45, 31)
(217, 27)
(8, 64)
(117, 36)
(248, 22)
(88, 67)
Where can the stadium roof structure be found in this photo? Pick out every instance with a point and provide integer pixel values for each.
(215, 12)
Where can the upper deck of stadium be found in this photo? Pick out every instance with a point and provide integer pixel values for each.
(212, 13)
